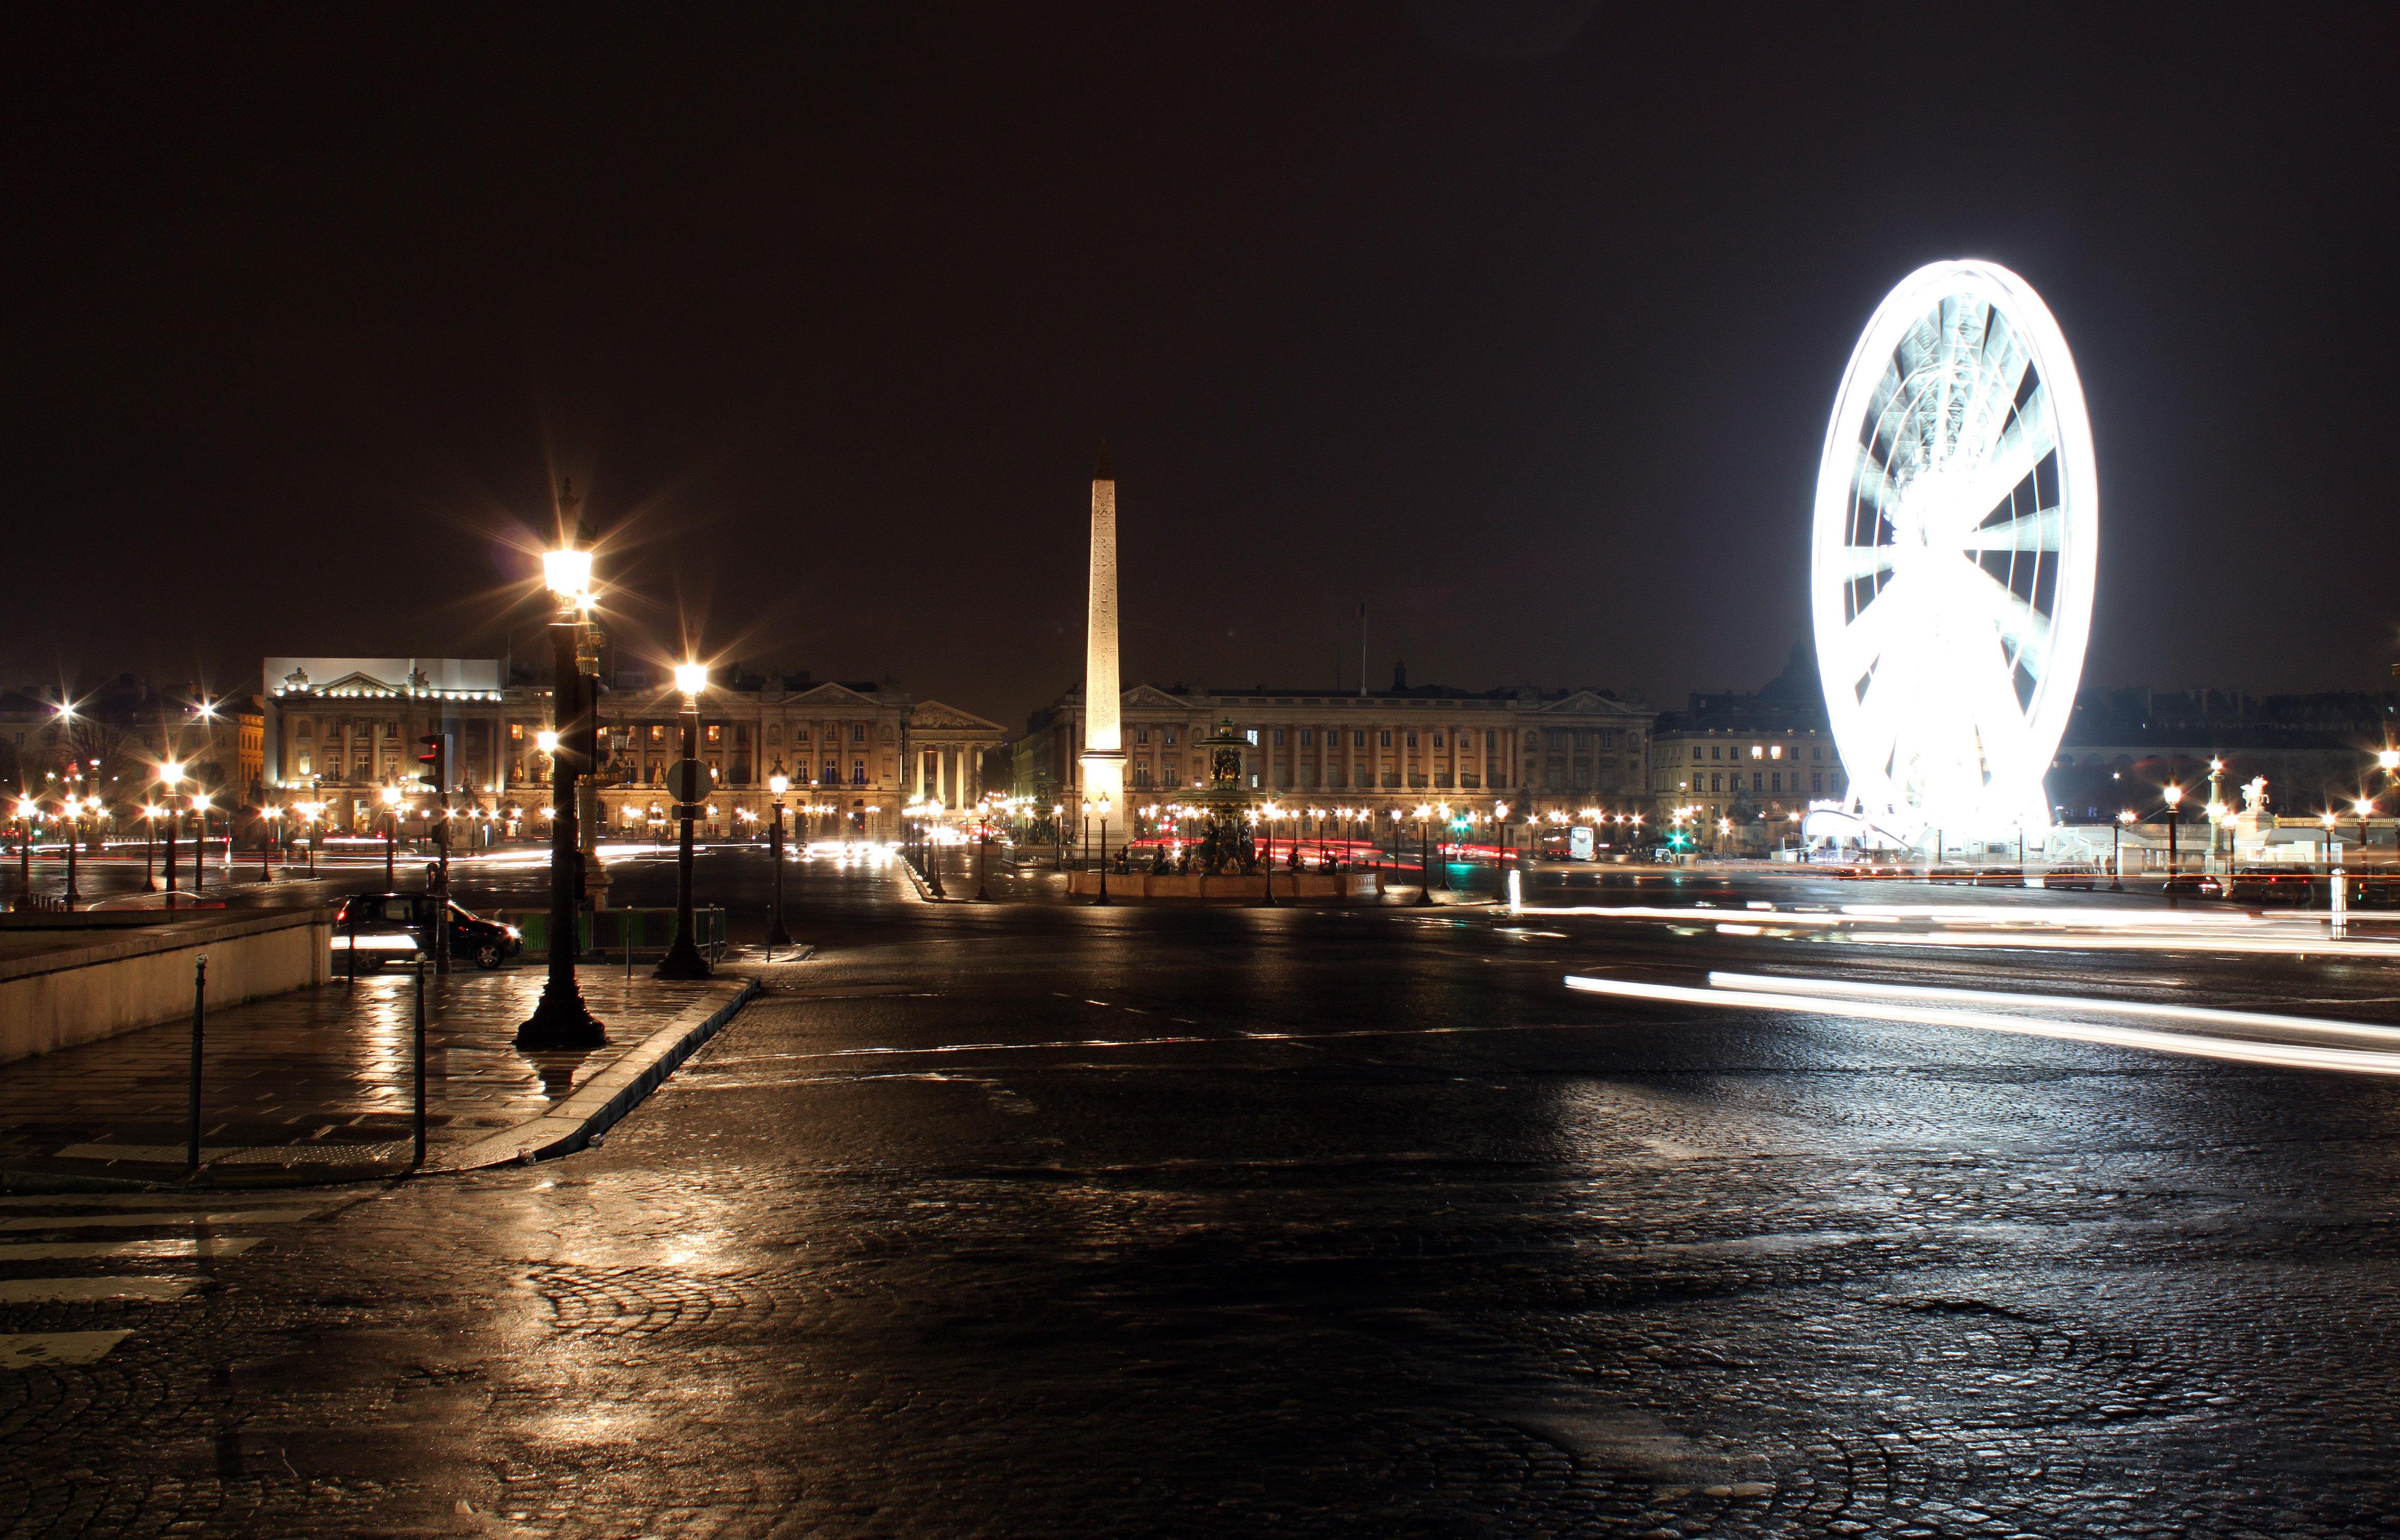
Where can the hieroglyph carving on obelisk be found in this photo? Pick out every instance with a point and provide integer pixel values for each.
(1103, 756)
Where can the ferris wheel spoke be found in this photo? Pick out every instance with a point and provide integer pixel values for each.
(2003, 374)
(1999, 716)
(2022, 445)
(2040, 531)
(1863, 561)
(2023, 627)
(1863, 640)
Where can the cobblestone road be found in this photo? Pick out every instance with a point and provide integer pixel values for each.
(1040, 1220)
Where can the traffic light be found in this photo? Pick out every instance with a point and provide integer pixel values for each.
(437, 756)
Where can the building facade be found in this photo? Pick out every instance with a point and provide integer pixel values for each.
(1740, 773)
(1537, 751)
(339, 731)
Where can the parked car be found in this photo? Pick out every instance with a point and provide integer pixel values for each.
(2194, 885)
(486, 941)
(2264, 885)
(2080, 875)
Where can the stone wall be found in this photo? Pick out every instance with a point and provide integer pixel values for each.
(63, 983)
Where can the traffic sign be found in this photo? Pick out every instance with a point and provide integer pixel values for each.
(688, 781)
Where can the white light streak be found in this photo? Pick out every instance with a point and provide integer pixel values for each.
(2282, 1055)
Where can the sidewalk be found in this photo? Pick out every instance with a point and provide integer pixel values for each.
(316, 1085)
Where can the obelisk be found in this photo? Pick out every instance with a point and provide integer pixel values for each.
(1103, 756)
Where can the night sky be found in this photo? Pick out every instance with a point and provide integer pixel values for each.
(1521, 328)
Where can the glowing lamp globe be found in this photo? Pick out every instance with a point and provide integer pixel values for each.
(691, 678)
(567, 572)
(1953, 555)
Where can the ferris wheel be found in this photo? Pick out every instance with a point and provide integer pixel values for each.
(1955, 547)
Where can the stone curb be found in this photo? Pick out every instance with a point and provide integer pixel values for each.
(591, 1108)
(599, 1102)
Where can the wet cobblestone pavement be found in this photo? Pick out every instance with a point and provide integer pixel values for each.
(1032, 1220)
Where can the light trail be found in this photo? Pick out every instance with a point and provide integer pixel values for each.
(2281, 1055)
(2074, 930)
(2199, 1013)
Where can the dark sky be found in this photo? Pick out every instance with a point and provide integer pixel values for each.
(1523, 329)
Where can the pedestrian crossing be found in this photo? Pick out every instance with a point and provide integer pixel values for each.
(129, 1275)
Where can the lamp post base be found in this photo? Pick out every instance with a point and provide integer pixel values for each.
(561, 1020)
(777, 935)
(682, 961)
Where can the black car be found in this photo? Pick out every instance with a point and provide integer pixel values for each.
(488, 943)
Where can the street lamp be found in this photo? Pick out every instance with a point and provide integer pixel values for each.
(2174, 798)
(390, 830)
(683, 959)
(560, 1018)
(2116, 851)
(983, 848)
(68, 807)
(170, 775)
(777, 783)
(199, 837)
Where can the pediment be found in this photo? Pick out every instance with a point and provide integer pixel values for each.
(1152, 698)
(831, 694)
(356, 682)
(1586, 699)
(934, 714)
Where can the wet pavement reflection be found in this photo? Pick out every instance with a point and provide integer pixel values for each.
(1038, 1217)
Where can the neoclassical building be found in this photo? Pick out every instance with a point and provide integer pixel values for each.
(1540, 751)
(339, 730)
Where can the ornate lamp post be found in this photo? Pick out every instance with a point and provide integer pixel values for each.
(777, 783)
(70, 814)
(983, 852)
(149, 846)
(170, 774)
(199, 836)
(683, 959)
(930, 823)
(561, 1019)
(2173, 796)
(2117, 852)
(27, 814)
(390, 830)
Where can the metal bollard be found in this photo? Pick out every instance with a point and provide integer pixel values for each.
(199, 1017)
(421, 1062)
(2338, 893)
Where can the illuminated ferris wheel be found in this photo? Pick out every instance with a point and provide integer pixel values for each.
(1956, 541)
